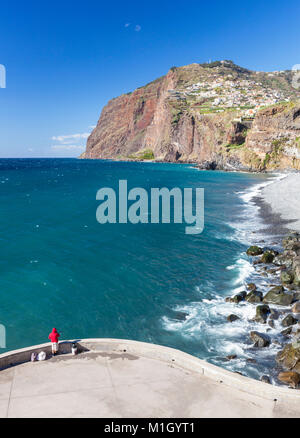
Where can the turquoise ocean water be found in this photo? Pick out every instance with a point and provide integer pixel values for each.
(149, 282)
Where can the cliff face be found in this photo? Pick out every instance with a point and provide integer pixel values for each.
(275, 136)
(217, 115)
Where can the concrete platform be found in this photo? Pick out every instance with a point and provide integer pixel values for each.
(116, 378)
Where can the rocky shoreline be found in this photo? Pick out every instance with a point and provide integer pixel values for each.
(279, 307)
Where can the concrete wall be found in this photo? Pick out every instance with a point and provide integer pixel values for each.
(173, 357)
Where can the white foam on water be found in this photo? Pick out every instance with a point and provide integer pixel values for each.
(207, 319)
(250, 228)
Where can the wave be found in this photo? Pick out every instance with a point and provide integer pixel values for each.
(206, 320)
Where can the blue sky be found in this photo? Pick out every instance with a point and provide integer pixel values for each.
(65, 59)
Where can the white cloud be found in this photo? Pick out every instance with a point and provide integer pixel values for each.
(72, 143)
(67, 147)
(137, 27)
(67, 139)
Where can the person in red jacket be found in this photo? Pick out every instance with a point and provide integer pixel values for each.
(54, 335)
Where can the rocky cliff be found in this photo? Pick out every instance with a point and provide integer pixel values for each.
(218, 115)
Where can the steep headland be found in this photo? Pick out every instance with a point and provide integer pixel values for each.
(218, 115)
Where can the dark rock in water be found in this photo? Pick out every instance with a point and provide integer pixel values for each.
(232, 317)
(251, 287)
(254, 250)
(272, 271)
(239, 297)
(286, 331)
(260, 339)
(254, 296)
(291, 287)
(296, 295)
(291, 378)
(289, 320)
(271, 323)
(231, 356)
(267, 257)
(262, 313)
(208, 165)
(265, 379)
(276, 295)
(236, 298)
(286, 277)
(250, 360)
(289, 356)
(180, 316)
(280, 268)
(274, 314)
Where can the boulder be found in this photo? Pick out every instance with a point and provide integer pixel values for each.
(296, 295)
(262, 312)
(289, 320)
(267, 257)
(254, 251)
(272, 271)
(285, 259)
(286, 277)
(180, 316)
(274, 314)
(260, 339)
(236, 298)
(289, 356)
(232, 317)
(296, 271)
(265, 379)
(271, 323)
(296, 307)
(251, 287)
(239, 297)
(254, 296)
(231, 356)
(291, 378)
(276, 295)
(287, 331)
(291, 239)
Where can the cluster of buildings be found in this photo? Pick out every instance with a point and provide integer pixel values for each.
(221, 94)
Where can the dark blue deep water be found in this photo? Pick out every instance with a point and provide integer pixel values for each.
(60, 267)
